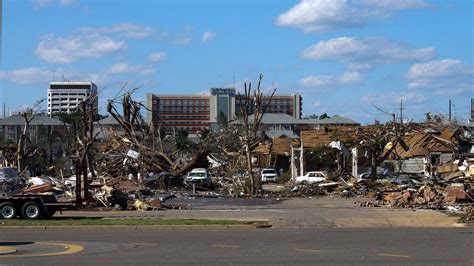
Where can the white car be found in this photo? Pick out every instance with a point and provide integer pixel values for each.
(199, 176)
(312, 177)
(269, 174)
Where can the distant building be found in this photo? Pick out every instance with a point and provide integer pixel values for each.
(194, 113)
(40, 127)
(278, 104)
(222, 100)
(276, 124)
(107, 128)
(65, 96)
(179, 112)
(333, 121)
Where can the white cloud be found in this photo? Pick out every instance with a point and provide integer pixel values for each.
(157, 56)
(125, 68)
(66, 2)
(393, 98)
(393, 5)
(444, 77)
(370, 49)
(73, 48)
(31, 75)
(325, 15)
(182, 40)
(124, 30)
(359, 67)
(347, 78)
(44, 3)
(320, 15)
(208, 36)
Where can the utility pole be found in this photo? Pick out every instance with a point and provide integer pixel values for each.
(401, 112)
(449, 110)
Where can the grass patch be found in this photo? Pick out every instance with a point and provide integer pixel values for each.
(124, 222)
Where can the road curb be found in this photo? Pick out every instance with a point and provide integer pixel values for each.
(112, 227)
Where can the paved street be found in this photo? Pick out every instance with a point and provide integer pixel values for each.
(220, 246)
(319, 212)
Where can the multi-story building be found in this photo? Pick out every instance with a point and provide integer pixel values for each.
(279, 104)
(65, 96)
(179, 112)
(193, 113)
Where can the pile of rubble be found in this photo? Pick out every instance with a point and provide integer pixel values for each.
(453, 192)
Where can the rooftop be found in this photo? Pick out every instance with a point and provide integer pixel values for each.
(38, 120)
(335, 119)
(71, 83)
(279, 118)
(107, 121)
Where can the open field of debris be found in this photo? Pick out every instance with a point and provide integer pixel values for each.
(137, 167)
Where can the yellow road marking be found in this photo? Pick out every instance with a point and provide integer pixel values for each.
(307, 250)
(7, 250)
(70, 249)
(393, 255)
(225, 246)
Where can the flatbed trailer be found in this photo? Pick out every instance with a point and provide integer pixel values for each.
(31, 207)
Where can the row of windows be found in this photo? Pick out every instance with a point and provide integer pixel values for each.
(185, 122)
(190, 117)
(195, 111)
(187, 128)
(181, 102)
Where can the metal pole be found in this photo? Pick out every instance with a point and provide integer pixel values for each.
(301, 159)
(78, 186)
(354, 162)
(292, 163)
(449, 110)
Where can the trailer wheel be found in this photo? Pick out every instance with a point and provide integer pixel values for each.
(31, 210)
(7, 210)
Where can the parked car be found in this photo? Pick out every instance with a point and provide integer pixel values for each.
(269, 174)
(312, 177)
(199, 176)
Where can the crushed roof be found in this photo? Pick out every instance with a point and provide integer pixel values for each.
(422, 144)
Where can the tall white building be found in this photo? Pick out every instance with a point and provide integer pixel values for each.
(65, 96)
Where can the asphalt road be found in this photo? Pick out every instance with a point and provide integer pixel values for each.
(220, 246)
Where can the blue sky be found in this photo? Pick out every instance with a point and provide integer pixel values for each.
(343, 56)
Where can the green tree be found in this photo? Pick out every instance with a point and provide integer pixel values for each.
(182, 142)
(221, 120)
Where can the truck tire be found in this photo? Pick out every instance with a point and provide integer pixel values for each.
(31, 210)
(7, 210)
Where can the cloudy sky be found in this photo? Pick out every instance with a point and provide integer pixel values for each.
(343, 56)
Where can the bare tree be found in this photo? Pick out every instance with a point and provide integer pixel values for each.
(252, 104)
(28, 116)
